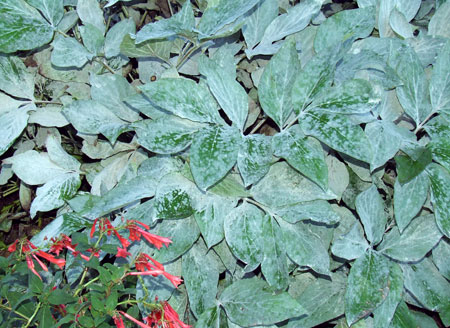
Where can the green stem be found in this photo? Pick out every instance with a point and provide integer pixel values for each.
(420, 126)
(16, 312)
(34, 314)
(105, 65)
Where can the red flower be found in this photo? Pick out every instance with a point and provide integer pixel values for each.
(93, 227)
(137, 232)
(122, 252)
(172, 316)
(139, 323)
(52, 259)
(30, 264)
(118, 321)
(12, 247)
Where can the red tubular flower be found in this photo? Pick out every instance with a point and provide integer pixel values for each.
(12, 247)
(139, 323)
(52, 259)
(172, 316)
(118, 321)
(122, 252)
(156, 240)
(93, 227)
(30, 264)
(43, 266)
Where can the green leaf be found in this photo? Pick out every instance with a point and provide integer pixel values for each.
(183, 234)
(316, 210)
(68, 52)
(174, 204)
(150, 48)
(302, 153)
(90, 12)
(315, 76)
(403, 317)
(386, 311)
(274, 89)
(22, 27)
(367, 286)
(346, 24)
(439, 130)
(440, 196)
(250, 302)
(439, 25)
(55, 192)
(243, 230)
(427, 285)
(370, 208)
(254, 157)
(283, 186)
(181, 23)
(209, 318)
(408, 168)
(351, 97)
(12, 123)
(222, 12)
(184, 98)
(93, 38)
(274, 261)
(440, 81)
(213, 153)
(200, 270)
(221, 78)
(323, 300)
(210, 219)
(116, 35)
(45, 317)
(295, 20)
(413, 94)
(15, 79)
(305, 247)
(352, 244)
(441, 254)
(63, 224)
(338, 132)
(59, 156)
(167, 135)
(419, 237)
(58, 296)
(256, 23)
(89, 116)
(409, 199)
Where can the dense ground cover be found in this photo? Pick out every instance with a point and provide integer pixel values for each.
(225, 163)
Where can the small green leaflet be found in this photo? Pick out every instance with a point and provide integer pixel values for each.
(200, 270)
(409, 199)
(68, 52)
(22, 27)
(408, 168)
(439, 25)
(259, 18)
(93, 38)
(181, 23)
(316, 76)
(221, 78)
(174, 204)
(370, 208)
(254, 157)
(352, 244)
(316, 210)
(305, 247)
(243, 230)
(303, 153)
(274, 261)
(213, 153)
(419, 237)
(167, 135)
(351, 97)
(346, 24)
(116, 35)
(222, 12)
(150, 48)
(250, 302)
(90, 12)
(440, 81)
(338, 132)
(274, 89)
(440, 196)
(367, 286)
(184, 98)
(15, 79)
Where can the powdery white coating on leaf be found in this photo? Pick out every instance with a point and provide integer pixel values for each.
(370, 208)
(419, 237)
(274, 262)
(200, 270)
(352, 244)
(59, 156)
(304, 247)
(15, 78)
(89, 12)
(283, 185)
(439, 24)
(243, 233)
(338, 132)
(22, 27)
(184, 98)
(254, 157)
(250, 302)
(304, 154)
(440, 81)
(115, 36)
(440, 196)
(409, 199)
(274, 89)
(441, 254)
(213, 153)
(52, 10)
(316, 210)
(12, 124)
(259, 18)
(68, 52)
(367, 286)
